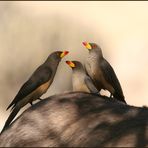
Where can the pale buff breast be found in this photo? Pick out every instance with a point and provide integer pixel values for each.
(40, 90)
(81, 87)
(79, 84)
(35, 94)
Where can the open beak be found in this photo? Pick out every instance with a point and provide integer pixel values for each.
(71, 64)
(64, 53)
(87, 45)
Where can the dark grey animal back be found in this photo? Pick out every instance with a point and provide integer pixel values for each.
(78, 120)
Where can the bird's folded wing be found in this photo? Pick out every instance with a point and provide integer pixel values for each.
(39, 77)
(110, 75)
(90, 85)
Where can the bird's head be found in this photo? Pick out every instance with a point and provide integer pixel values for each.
(58, 55)
(74, 64)
(92, 47)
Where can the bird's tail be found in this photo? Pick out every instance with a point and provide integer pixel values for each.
(11, 117)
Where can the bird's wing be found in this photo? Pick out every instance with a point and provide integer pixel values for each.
(39, 77)
(90, 85)
(86, 67)
(110, 76)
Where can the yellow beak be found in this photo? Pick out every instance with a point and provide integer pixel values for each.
(87, 45)
(64, 53)
(71, 64)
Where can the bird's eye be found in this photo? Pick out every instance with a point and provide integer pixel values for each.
(94, 46)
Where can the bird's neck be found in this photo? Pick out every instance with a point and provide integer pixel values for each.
(95, 57)
(96, 53)
(52, 64)
(77, 71)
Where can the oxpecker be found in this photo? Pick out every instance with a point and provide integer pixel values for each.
(36, 85)
(80, 80)
(101, 72)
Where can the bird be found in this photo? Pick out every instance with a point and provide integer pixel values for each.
(36, 85)
(101, 72)
(80, 80)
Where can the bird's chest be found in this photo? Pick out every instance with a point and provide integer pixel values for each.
(43, 88)
(93, 69)
(40, 90)
(79, 83)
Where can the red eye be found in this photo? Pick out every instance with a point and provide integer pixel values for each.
(94, 46)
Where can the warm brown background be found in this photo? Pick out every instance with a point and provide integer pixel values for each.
(30, 31)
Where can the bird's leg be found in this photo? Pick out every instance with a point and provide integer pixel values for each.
(31, 103)
(40, 99)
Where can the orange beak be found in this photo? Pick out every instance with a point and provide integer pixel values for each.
(71, 64)
(64, 53)
(87, 45)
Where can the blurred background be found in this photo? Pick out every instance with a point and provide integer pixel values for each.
(30, 31)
